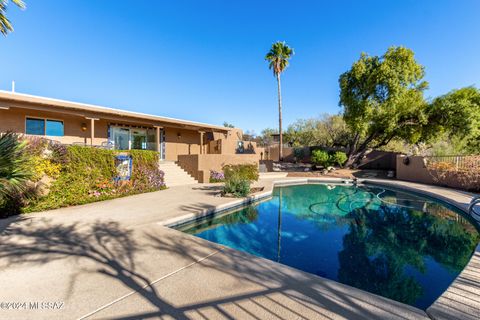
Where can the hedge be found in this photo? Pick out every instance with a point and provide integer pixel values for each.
(87, 175)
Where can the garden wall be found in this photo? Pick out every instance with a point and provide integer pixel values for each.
(379, 160)
(199, 165)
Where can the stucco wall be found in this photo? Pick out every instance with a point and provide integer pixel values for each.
(199, 166)
(14, 120)
(415, 170)
(178, 141)
(181, 141)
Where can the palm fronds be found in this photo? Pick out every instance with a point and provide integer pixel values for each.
(5, 25)
(14, 169)
(278, 57)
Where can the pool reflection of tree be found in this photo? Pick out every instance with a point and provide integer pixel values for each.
(382, 242)
(386, 235)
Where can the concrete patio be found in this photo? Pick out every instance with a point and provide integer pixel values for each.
(116, 260)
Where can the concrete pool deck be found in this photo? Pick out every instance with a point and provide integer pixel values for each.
(116, 259)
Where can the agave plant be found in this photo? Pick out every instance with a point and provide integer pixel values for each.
(14, 169)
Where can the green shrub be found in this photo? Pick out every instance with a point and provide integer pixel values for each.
(237, 186)
(247, 172)
(320, 158)
(238, 179)
(15, 172)
(339, 158)
(87, 175)
(299, 154)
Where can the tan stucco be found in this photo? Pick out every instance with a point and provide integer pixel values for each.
(181, 137)
(199, 166)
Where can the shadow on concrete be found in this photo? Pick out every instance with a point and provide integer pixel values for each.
(112, 248)
(212, 190)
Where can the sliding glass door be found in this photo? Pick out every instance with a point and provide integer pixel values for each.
(124, 138)
(120, 138)
(138, 138)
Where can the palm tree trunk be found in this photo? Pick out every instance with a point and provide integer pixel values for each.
(280, 148)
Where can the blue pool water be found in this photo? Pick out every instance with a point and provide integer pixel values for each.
(396, 244)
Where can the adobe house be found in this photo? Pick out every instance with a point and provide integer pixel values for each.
(187, 143)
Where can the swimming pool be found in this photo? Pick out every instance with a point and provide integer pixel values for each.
(399, 245)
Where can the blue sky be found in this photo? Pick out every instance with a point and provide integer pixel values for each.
(203, 60)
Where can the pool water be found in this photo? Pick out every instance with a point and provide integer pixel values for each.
(399, 245)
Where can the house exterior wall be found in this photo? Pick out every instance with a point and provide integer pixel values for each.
(180, 137)
(178, 141)
(14, 120)
(181, 141)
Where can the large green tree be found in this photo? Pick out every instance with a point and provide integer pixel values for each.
(455, 116)
(5, 24)
(278, 59)
(382, 97)
(327, 131)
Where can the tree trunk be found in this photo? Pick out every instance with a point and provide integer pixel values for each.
(280, 147)
(355, 157)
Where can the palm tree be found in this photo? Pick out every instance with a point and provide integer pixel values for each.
(5, 25)
(278, 57)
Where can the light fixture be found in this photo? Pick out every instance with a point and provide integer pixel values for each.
(84, 127)
(179, 136)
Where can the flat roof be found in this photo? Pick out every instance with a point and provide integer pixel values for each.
(27, 98)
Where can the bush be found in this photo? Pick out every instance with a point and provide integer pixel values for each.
(238, 179)
(87, 175)
(237, 187)
(247, 172)
(299, 154)
(338, 158)
(320, 158)
(15, 172)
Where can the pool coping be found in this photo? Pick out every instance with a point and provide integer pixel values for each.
(445, 305)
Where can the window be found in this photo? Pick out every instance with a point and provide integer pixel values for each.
(35, 126)
(54, 128)
(42, 127)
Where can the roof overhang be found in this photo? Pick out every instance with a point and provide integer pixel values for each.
(12, 100)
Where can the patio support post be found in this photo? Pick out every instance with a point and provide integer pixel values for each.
(157, 139)
(201, 142)
(92, 129)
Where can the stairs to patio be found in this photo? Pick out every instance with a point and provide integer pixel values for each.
(174, 175)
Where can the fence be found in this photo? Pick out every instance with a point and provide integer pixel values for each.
(457, 163)
(459, 172)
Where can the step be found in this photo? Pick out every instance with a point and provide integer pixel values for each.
(175, 175)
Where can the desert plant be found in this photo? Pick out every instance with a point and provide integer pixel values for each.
(339, 158)
(14, 169)
(247, 172)
(320, 158)
(237, 186)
